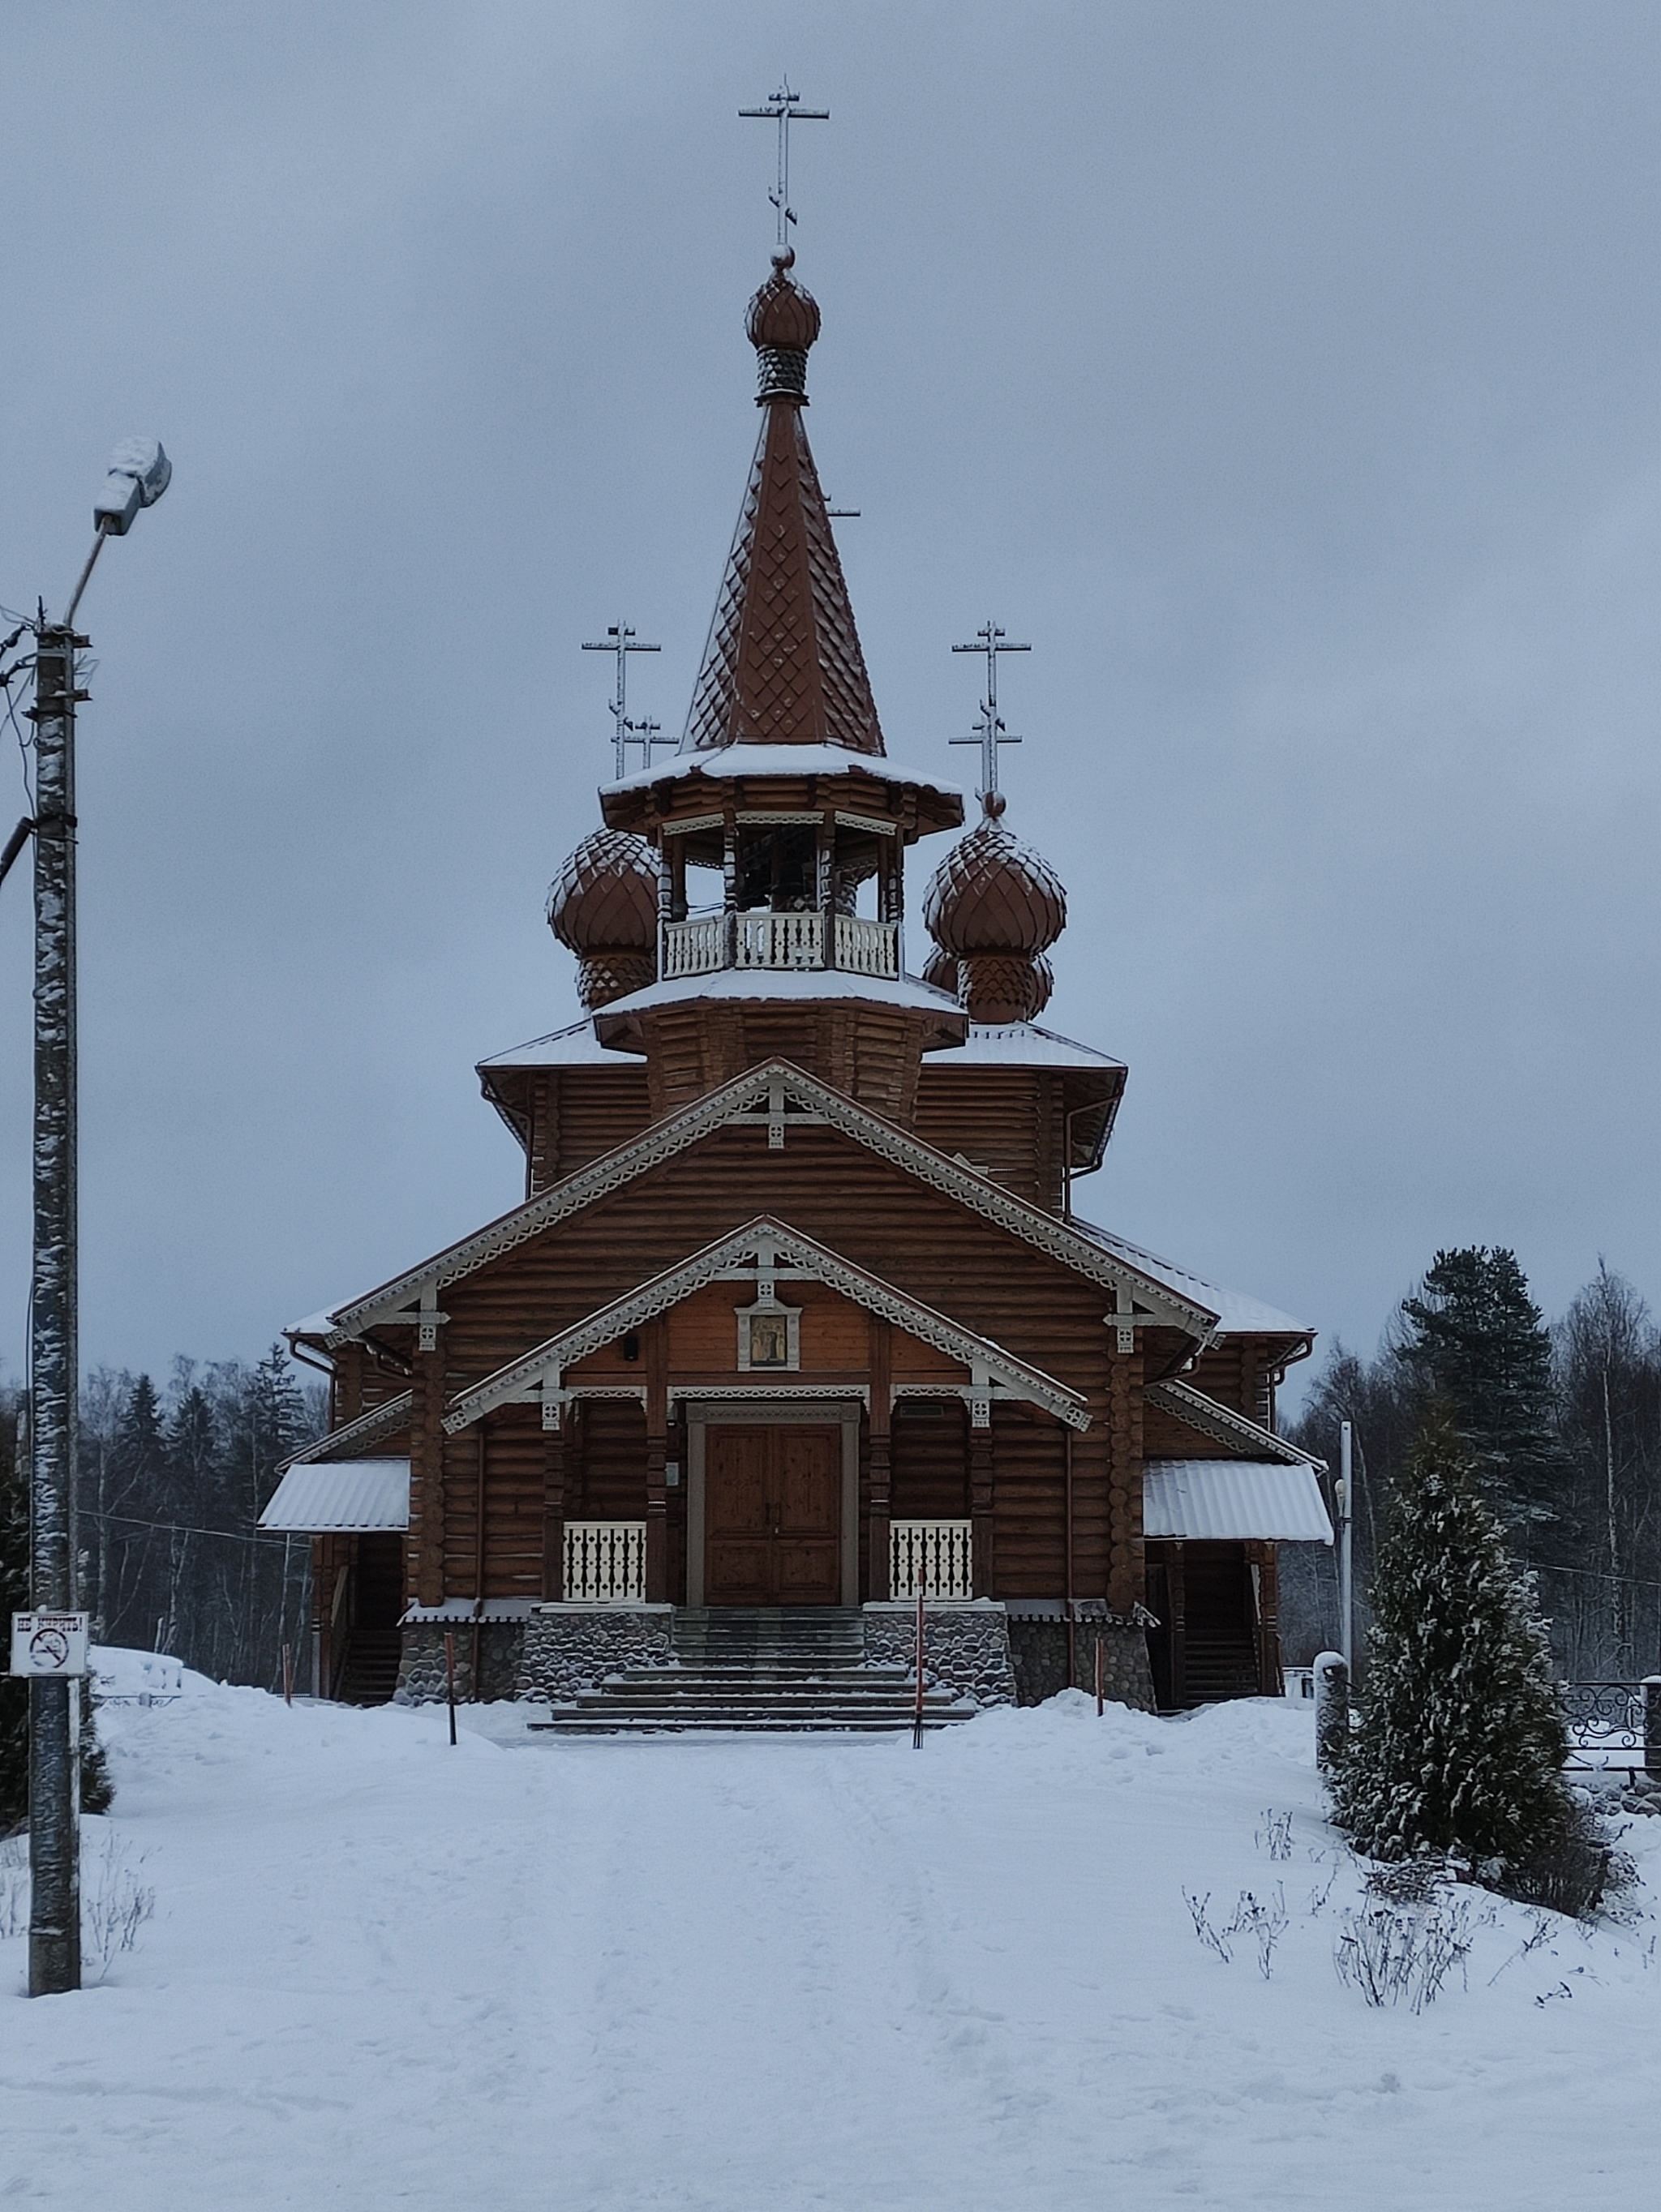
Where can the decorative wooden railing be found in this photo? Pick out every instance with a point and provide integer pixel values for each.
(866, 948)
(604, 1561)
(694, 947)
(705, 942)
(777, 941)
(936, 1556)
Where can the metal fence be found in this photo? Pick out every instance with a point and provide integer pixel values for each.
(1613, 1725)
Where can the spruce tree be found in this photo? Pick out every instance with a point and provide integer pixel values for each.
(1478, 1339)
(1462, 1743)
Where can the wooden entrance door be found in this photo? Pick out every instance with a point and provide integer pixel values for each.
(772, 1517)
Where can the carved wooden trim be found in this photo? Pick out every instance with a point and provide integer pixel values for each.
(737, 1102)
(368, 1429)
(1223, 1425)
(520, 1377)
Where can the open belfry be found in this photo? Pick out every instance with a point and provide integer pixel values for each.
(797, 1319)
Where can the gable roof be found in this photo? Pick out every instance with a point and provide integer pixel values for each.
(371, 1428)
(1239, 1314)
(516, 1380)
(1223, 1426)
(759, 1096)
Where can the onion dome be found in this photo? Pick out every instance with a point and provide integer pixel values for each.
(992, 893)
(994, 906)
(782, 323)
(940, 969)
(603, 905)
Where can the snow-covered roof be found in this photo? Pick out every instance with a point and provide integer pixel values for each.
(1022, 1044)
(794, 983)
(1233, 1500)
(1239, 1314)
(781, 760)
(575, 1046)
(317, 1324)
(343, 1496)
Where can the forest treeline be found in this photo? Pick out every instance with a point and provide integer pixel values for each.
(1563, 1419)
(172, 1484)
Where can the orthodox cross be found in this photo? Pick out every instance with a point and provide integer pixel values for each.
(989, 731)
(620, 640)
(782, 107)
(646, 735)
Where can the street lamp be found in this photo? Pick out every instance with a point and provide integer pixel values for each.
(138, 474)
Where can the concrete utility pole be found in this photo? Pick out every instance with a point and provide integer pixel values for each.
(54, 1854)
(139, 473)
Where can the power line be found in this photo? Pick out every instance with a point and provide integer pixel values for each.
(180, 1528)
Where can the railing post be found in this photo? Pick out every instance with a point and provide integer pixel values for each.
(1652, 1686)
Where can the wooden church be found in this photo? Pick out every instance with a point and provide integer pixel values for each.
(797, 1318)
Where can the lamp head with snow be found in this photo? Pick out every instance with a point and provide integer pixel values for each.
(139, 473)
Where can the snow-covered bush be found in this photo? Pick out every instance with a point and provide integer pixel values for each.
(1576, 1871)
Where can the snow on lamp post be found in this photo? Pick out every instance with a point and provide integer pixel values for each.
(138, 475)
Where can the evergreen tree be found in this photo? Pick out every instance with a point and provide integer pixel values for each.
(1462, 1743)
(1474, 1336)
(135, 1499)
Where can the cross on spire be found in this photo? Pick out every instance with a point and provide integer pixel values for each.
(989, 731)
(783, 108)
(620, 640)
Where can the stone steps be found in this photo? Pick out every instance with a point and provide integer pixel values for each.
(758, 1672)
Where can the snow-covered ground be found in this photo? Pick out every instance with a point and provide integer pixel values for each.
(733, 1974)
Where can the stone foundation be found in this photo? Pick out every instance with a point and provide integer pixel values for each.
(568, 1648)
(965, 1645)
(421, 1671)
(1037, 1646)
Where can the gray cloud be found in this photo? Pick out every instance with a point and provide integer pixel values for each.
(1288, 375)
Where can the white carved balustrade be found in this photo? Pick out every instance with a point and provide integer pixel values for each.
(779, 941)
(866, 948)
(604, 1562)
(706, 942)
(694, 947)
(937, 1556)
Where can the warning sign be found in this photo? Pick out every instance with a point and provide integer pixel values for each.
(49, 1643)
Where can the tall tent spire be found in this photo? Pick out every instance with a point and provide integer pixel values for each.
(783, 664)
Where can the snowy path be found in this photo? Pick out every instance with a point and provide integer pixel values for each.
(739, 1975)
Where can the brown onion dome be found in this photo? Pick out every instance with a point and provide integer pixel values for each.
(992, 893)
(605, 897)
(940, 969)
(603, 905)
(782, 314)
(782, 323)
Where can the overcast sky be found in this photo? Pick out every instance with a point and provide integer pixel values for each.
(1288, 375)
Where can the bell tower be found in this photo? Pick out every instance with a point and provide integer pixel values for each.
(778, 832)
